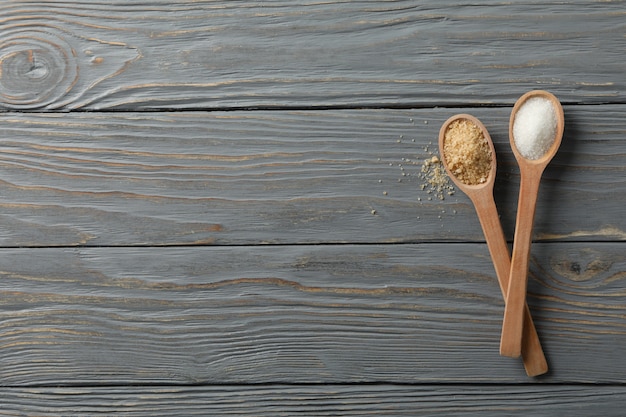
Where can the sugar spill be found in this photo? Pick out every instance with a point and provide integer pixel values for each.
(429, 171)
(435, 181)
(420, 169)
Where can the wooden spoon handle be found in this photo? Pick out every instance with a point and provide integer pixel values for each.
(532, 354)
(512, 325)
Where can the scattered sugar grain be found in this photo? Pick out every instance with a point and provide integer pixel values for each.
(435, 179)
(534, 127)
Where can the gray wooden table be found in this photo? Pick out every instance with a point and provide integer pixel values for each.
(217, 208)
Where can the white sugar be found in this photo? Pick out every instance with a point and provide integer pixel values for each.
(534, 127)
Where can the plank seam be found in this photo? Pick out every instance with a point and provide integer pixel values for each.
(375, 106)
(533, 383)
(269, 245)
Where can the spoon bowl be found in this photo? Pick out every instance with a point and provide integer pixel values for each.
(560, 124)
(490, 180)
(531, 171)
(481, 196)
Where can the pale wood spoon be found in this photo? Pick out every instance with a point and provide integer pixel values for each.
(481, 196)
(530, 172)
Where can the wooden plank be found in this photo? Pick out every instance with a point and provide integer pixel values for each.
(285, 177)
(224, 54)
(312, 400)
(301, 314)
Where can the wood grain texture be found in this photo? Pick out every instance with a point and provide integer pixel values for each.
(301, 314)
(285, 177)
(191, 225)
(224, 54)
(328, 400)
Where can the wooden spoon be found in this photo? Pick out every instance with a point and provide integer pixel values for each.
(530, 171)
(481, 196)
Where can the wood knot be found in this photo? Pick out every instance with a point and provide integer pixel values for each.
(36, 68)
(584, 265)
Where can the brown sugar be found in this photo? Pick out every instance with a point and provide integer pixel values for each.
(467, 152)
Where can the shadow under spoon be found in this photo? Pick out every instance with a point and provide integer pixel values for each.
(481, 196)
